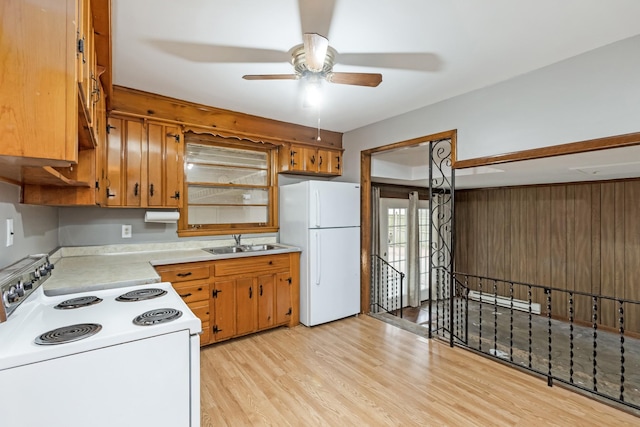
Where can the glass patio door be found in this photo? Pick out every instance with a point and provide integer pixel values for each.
(394, 238)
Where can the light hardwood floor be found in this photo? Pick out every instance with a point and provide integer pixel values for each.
(363, 372)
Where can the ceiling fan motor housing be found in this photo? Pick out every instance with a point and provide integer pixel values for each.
(298, 60)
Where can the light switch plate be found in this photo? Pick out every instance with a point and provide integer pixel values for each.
(9, 232)
(126, 231)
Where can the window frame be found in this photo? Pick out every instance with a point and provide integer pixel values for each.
(271, 226)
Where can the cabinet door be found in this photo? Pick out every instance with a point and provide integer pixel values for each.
(113, 162)
(165, 165)
(296, 158)
(38, 85)
(245, 305)
(310, 159)
(135, 148)
(283, 298)
(223, 318)
(84, 47)
(101, 147)
(335, 166)
(266, 290)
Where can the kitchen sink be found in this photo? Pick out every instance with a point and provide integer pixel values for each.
(223, 250)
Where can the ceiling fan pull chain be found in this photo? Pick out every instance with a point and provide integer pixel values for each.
(318, 138)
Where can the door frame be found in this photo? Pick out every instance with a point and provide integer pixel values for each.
(365, 205)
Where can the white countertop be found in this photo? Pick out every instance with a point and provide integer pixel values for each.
(106, 267)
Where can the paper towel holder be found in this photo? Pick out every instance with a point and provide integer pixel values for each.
(163, 217)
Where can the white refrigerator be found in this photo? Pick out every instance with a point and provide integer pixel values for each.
(323, 219)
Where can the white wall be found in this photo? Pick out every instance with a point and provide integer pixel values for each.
(35, 228)
(592, 95)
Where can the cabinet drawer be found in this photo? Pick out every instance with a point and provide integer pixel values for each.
(205, 336)
(183, 272)
(251, 265)
(200, 309)
(197, 290)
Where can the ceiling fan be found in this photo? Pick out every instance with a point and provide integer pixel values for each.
(313, 60)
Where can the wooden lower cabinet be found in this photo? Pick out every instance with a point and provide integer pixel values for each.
(235, 297)
(265, 292)
(191, 282)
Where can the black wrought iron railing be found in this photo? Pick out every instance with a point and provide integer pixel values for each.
(585, 340)
(386, 287)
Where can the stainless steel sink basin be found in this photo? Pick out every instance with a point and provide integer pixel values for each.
(223, 250)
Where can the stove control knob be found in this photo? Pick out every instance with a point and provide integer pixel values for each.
(10, 296)
(36, 274)
(28, 285)
(44, 271)
(20, 289)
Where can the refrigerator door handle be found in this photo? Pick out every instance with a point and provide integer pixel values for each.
(317, 208)
(318, 265)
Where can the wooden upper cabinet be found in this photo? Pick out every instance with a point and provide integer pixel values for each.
(144, 163)
(165, 165)
(38, 94)
(310, 160)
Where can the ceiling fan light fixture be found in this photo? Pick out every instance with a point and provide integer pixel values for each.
(312, 89)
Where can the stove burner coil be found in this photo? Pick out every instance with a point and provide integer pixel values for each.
(68, 334)
(78, 302)
(141, 294)
(159, 315)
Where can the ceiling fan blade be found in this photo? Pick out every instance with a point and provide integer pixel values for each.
(201, 52)
(401, 61)
(316, 16)
(271, 77)
(315, 50)
(358, 79)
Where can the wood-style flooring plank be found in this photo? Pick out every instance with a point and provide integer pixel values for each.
(361, 371)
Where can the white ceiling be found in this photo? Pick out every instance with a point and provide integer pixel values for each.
(409, 166)
(426, 50)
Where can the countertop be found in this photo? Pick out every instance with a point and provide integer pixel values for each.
(104, 267)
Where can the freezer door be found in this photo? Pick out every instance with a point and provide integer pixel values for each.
(334, 275)
(334, 204)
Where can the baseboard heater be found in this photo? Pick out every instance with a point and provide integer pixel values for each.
(501, 301)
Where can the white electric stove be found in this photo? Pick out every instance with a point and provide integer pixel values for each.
(117, 357)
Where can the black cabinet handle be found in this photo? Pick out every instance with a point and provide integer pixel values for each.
(135, 189)
(184, 274)
(260, 290)
(185, 295)
(250, 292)
(151, 190)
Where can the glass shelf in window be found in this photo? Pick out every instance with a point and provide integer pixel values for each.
(227, 196)
(226, 175)
(207, 154)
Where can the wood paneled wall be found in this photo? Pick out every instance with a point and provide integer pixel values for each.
(581, 237)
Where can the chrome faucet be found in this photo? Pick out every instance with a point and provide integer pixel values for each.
(237, 238)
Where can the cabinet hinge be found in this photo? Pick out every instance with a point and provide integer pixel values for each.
(175, 196)
(109, 127)
(97, 185)
(289, 280)
(214, 293)
(215, 329)
(80, 45)
(289, 312)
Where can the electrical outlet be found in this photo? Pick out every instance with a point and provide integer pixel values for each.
(9, 232)
(126, 231)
